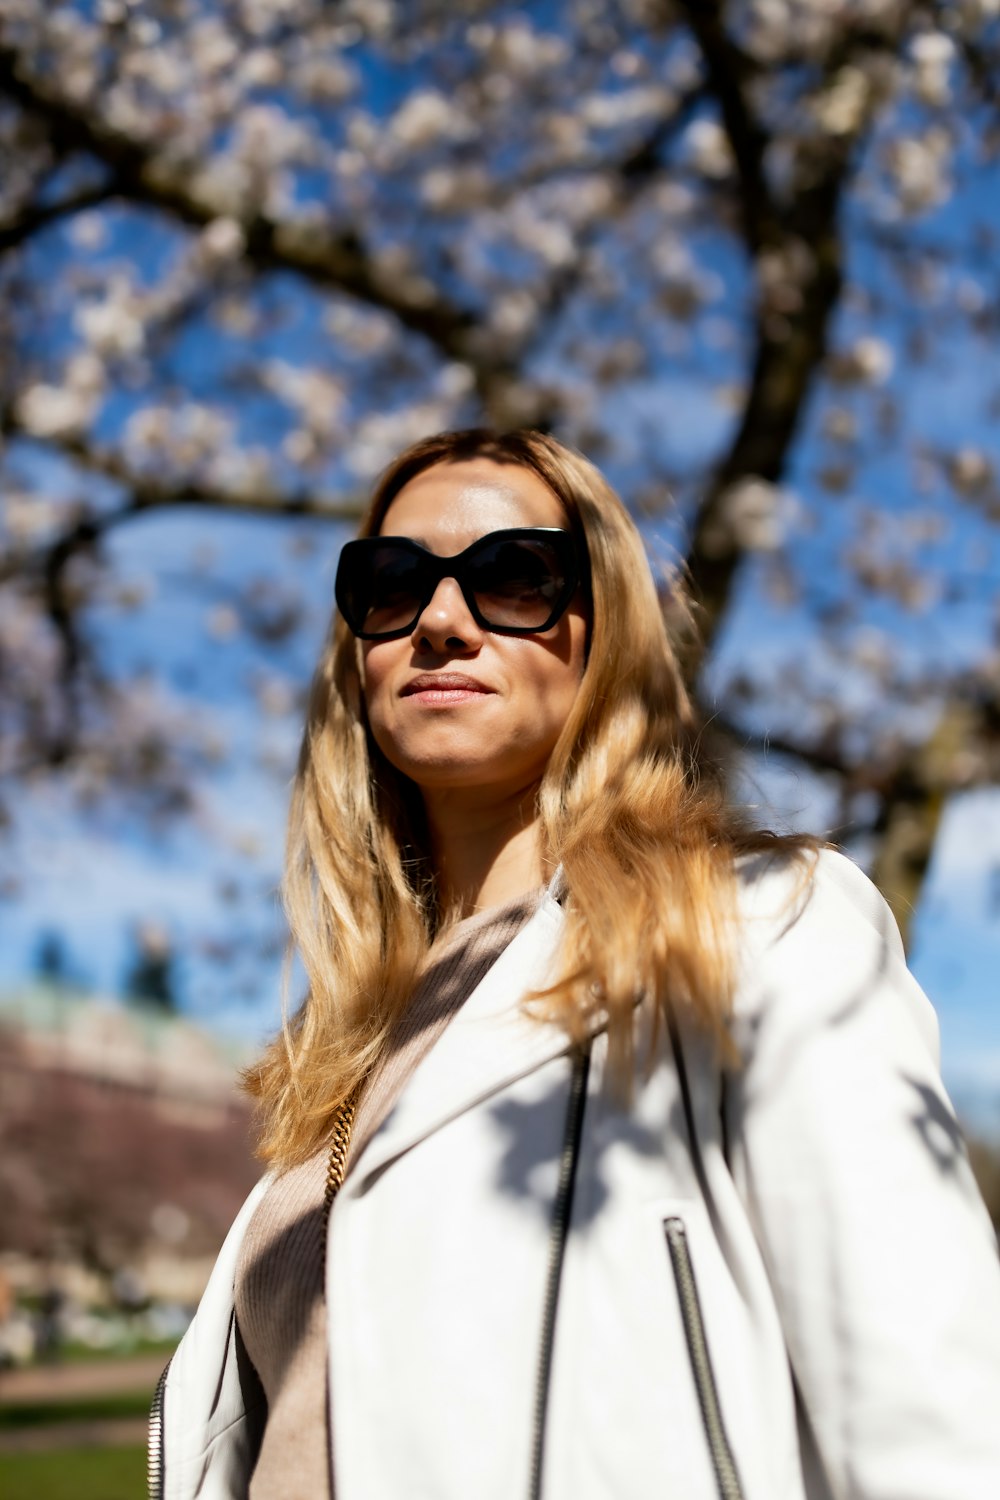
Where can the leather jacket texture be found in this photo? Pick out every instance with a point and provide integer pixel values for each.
(770, 1281)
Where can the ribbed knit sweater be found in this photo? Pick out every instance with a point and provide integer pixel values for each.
(279, 1292)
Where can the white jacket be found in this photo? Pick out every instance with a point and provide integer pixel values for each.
(784, 1288)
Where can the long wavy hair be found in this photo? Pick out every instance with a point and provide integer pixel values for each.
(630, 806)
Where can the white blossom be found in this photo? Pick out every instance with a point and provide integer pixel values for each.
(363, 331)
(751, 515)
(867, 361)
(85, 374)
(932, 49)
(551, 241)
(375, 18)
(378, 436)
(213, 47)
(919, 167)
(247, 472)
(324, 79)
(708, 148)
(932, 53)
(145, 31)
(225, 186)
(318, 396)
(112, 328)
(840, 109)
(970, 471)
(223, 239)
(521, 51)
(566, 132)
(872, 651)
(89, 231)
(261, 67)
(25, 517)
(192, 434)
(267, 136)
(623, 107)
(513, 314)
(455, 381)
(51, 411)
(626, 63)
(455, 188)
(163, 69)
(149, 428)
(424, 118)
(299, 446)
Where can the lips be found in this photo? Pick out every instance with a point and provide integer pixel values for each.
(445, 683)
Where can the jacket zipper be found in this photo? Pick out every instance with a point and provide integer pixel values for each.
(727, 1479)
(561, 1215)
(154, 1454)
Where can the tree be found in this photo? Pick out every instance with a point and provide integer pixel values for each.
(149, 979)
(86, 1164)
(248, 248)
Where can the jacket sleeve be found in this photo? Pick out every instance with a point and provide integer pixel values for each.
(845, 1147)
(211, 1418)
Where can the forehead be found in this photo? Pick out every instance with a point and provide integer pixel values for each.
(448, 506)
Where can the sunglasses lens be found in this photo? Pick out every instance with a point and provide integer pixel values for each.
(513, 581)
(383, 592)
(517, 583)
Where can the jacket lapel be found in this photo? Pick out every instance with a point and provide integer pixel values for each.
(488, 1044)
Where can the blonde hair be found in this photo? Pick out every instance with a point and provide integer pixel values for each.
(629, 806)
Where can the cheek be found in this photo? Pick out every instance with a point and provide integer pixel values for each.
(374, 668)
(556, 686)
(576, 661)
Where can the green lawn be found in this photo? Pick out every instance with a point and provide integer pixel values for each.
(83, 1354)
(74, 1474)
(19, 1414)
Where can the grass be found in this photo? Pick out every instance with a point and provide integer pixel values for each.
(83, 1354)
(16, 1415)
(74, 1474)
(80, 1472)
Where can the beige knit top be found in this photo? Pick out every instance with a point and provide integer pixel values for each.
(279, 1293)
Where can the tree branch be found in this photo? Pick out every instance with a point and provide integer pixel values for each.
(825, 758)
(336, 260)
(728, 69)
(912, 785)
(147, 494)
(804, 245)
(38, 216)
(634, 171)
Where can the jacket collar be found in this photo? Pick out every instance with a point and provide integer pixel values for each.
(488, 1044)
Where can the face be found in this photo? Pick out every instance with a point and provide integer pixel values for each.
(453, 705)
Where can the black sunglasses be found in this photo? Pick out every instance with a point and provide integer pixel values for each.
(515, 582)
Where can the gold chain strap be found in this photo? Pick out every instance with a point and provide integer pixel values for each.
(339, 1146)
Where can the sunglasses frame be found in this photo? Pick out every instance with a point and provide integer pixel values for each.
(437, 567)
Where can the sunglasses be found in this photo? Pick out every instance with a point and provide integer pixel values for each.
(515, 582)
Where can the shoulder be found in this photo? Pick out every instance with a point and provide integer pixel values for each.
(777, 888)
(817, 942)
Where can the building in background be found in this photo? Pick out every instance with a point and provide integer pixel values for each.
(125, 1146)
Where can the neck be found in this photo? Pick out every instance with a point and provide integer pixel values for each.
(486, 850)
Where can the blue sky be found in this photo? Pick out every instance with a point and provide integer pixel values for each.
(211, 880)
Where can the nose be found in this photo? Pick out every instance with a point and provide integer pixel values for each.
(446, 624)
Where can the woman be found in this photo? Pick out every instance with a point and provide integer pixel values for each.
(609, 1155)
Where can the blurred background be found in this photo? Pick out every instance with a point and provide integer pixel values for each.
(744, 255)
